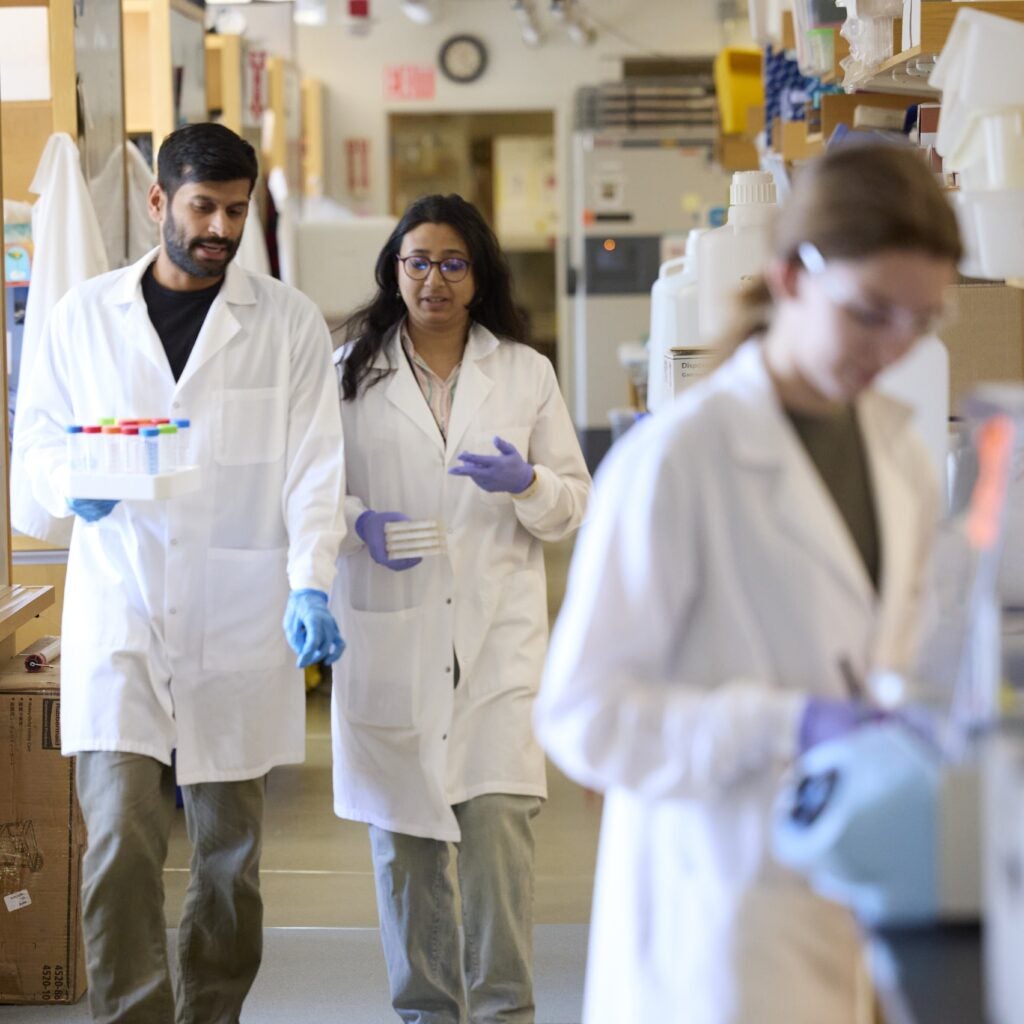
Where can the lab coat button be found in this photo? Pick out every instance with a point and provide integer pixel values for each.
(447, 668)
(175, 405)
(448, 601)
(173, 611)
(445, 736)
(174, 542)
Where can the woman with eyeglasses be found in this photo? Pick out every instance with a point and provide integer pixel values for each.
(461, 459)
(750, 555)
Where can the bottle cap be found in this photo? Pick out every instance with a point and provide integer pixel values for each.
(167, 428)
(111, 430)
(72, 430)
(130, 431)
(752, 188)
(91, 430)
(106, 421)
(182, 423)
(150, 431)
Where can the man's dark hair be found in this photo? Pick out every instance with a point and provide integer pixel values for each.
(204, 152)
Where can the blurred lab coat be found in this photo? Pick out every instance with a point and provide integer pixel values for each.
(68, 248)
(408, 744)
(714, 587)
(172, 632)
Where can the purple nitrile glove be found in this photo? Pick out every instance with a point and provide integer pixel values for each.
(826, 718)
(370, 527)
(508, 471)
(91, 509)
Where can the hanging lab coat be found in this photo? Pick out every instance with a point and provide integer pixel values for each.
(68, 248)
(408, 744)
(172, 631)
(714, 587)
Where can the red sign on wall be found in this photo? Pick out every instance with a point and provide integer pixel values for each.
(409, 82)
(357, 163)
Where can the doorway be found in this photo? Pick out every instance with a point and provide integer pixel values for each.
(504, 163)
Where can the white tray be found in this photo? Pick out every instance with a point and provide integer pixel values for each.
(135, 486)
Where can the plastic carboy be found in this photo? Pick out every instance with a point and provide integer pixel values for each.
(673, 316)
(735, 252)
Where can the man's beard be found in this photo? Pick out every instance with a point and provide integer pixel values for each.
(180, 251)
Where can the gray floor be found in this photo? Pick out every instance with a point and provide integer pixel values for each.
(322, 958)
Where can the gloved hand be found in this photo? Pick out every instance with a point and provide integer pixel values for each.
(825, 718)
(91, 509)
(310, 628)
(370, 527)
(508, 471)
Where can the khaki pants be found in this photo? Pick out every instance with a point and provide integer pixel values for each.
(128, 804)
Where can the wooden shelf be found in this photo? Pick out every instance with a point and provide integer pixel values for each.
(897, 74)
(19, 605)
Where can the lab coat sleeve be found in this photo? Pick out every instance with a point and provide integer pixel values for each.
(44, 410)
(314, 488)
(558, 499)
(354, 506)
(612, 711)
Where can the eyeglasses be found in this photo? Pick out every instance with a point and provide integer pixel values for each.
(453, 268)
(870, 314)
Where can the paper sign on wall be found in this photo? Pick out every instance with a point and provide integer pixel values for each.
(357, 166)
(409, 82)
(256, 91)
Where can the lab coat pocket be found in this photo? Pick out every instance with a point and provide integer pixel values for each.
(381, 666)
(481, 443)
(251, 427)
(246, 595)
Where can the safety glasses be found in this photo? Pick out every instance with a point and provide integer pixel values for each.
(872, 314)
(453, 268)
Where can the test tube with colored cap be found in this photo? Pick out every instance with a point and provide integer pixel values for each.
(151, 449)
(112, 459)
(134, 462)
(185, 456)
(76, 454)
(91, 448)
(168, 447)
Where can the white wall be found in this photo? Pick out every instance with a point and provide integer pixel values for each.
(517, 77)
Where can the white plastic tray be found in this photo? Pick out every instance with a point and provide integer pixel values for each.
(135, 486)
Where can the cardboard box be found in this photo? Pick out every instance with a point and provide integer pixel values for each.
(985, 338)
(42, 838)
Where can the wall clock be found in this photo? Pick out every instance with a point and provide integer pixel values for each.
(463, 58)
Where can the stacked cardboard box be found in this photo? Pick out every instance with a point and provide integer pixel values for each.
(42, 838)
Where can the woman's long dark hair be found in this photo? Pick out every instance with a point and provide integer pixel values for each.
(493, 305)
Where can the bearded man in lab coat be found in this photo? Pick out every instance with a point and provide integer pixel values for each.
(172, 634)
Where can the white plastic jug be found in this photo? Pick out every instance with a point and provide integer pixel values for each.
(673, 316)
(735, 252)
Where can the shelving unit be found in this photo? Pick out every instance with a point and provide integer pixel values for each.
(225, 57)
(27, 124)
(901, 72)
(163, 39)
(312, 137)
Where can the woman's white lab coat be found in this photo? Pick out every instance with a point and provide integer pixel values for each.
(713, 588)
(172, 631)
(408, 744)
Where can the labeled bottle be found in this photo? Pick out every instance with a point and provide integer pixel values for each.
(111, 454)
(733, 254)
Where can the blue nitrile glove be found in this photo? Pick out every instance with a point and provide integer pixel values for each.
(825, 718)
(508, 471)
(310, 628)
(91, 509)
(370, 527)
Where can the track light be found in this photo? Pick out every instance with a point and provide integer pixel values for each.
(423, 12)
(576, 26)
(529, 28)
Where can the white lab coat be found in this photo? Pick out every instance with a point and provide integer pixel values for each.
(407, 744)
(172, 631)
(713, 588)
(68, 248)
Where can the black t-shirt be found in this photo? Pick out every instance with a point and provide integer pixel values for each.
(177, 316)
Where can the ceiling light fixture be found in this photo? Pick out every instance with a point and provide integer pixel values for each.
(423, 12)
(529, 27)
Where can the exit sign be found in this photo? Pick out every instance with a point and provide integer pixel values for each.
(409, 82)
